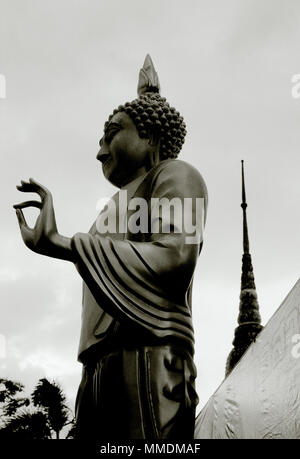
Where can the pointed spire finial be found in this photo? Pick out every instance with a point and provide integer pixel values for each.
(244, 207)
(249, 317)
(148, 78)
(243, 186)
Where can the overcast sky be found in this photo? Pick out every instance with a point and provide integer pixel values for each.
(227, 67)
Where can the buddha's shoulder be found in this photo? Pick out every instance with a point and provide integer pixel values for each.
(182, 173)
(179, 166)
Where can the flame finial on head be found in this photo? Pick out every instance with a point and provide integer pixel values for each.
(148, 78)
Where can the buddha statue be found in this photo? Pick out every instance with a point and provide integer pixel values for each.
(137, 340)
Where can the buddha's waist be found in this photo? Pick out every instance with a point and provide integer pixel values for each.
(122, 340)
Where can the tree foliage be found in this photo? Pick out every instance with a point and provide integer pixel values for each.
(46, 413)
(28, 426)
(51, 399)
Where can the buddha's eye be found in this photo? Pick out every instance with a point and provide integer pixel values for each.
(111, 131)
(109, 136)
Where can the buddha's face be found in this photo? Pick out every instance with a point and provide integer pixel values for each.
(124, 155)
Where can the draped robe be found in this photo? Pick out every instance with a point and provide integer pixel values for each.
(137, 333)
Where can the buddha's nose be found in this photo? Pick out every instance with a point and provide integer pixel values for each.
(102, 154)
(101, 151)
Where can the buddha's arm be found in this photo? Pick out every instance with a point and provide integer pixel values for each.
(144, 281)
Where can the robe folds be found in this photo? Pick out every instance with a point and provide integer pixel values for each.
(137, 286)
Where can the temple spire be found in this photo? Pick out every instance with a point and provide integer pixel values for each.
(249, 319)
(244, 207)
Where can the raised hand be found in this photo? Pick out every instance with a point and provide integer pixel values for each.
(43, 238)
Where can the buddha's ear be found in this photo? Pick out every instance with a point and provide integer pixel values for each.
(154, 144)
(153, 158)
(154, 138)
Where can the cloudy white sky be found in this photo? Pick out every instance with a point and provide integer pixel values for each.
(227, 67)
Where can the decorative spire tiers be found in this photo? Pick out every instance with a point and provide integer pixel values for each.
(249, 319)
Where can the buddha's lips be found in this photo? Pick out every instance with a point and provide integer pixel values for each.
(105, 159)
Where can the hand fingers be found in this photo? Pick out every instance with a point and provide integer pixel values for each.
(24, 184)
(33, 187)
(25, 204)
(39, 185)
(27, 187)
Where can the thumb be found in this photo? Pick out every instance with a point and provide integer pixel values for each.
(21, 218)
(26, 232)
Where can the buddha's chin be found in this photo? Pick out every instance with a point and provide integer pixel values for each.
(111, 177)
(115, 175)
(106, 168)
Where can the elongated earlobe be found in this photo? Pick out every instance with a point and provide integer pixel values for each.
(154, 144)
(154, 139)
(153, 156)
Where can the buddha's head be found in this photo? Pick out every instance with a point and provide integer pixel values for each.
(141, 133)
